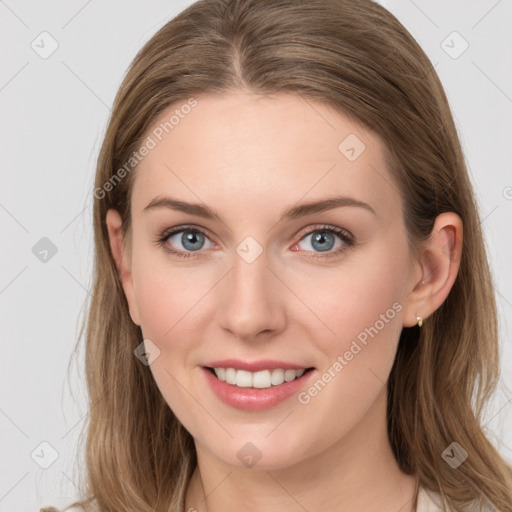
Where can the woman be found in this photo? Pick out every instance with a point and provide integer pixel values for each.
(284, 313)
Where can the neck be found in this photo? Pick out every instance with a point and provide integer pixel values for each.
(359, 472)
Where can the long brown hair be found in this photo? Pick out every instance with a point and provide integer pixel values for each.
(359, 59)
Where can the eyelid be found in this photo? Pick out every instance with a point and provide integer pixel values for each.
(325, 227)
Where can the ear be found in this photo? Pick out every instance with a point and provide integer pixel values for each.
(122, 260)
(438, 265)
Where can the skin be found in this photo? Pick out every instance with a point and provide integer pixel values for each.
(249, 158)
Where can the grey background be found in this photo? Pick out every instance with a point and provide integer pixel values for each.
(54, 112)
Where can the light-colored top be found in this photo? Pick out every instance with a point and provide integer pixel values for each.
(428, 501)
(425, 503)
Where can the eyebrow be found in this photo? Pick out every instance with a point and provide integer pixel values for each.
(301, 210)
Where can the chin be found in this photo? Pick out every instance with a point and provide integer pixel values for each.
(257, 453)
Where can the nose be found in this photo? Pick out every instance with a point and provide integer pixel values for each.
(251, 305)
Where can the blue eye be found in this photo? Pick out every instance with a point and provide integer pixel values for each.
(193, 240)
(323, 239)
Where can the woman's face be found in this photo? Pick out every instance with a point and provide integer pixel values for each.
(261, 281)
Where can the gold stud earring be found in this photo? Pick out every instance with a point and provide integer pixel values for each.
(420, 321)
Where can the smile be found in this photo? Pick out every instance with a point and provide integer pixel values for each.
(260, 379)
(259, 390)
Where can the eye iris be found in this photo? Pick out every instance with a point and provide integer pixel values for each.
(321, 237)
(192, 237)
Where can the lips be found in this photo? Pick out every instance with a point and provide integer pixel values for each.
(262, 396)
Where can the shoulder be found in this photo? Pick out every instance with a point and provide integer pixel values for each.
(428, 501)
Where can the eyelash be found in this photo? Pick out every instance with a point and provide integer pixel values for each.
(344, 235)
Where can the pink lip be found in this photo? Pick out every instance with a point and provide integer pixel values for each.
(254, 366)
(255, 399)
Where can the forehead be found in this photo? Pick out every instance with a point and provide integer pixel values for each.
(261, 151)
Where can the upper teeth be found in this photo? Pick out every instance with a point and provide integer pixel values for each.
(262, 379)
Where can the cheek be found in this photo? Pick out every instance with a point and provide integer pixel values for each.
(361, 304)
(169, 299)
(351, 303)
(168, 294)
